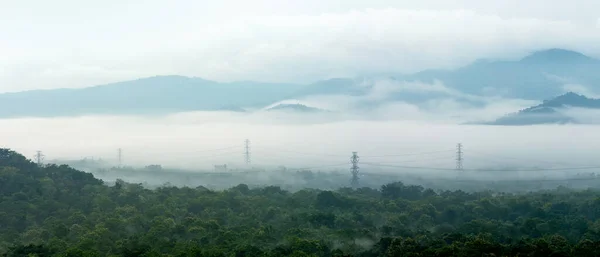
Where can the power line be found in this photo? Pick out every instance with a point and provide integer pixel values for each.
(482, 170)
(525, 159)
(368, 156)
(447, 158)
(305, 153)
(247, 151)
(429, 160)
(306, 158)
(120, 153)
(410, 154)
(217, 154)
(322, 166)
(490, 180)
(354, 169)
(407, 167)
(459, 157)
(186, 151)
(216, 149)
(39, 157)
(505, 164)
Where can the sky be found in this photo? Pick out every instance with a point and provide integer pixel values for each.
(70, 43)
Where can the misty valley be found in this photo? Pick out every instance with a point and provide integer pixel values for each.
(351, 144)
(331, 178)
(55, 210)
(191, 184)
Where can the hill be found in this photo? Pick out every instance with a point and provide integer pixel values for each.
(295, 108)
(57, 211)
(155, 95)
(538, 76)
(549, 112)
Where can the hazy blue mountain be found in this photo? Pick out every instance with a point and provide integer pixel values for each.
(295, 108)
(335, 86)
(364, 87)
(549, 112)
(154, 95)
(538, 76)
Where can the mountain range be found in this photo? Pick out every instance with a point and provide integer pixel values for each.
(549, 112)
(154, 95)
(538, 76)
(295, 108)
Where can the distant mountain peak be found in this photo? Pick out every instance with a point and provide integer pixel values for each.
(294, 107)
(548, 112)
(569, 96)
(572, 99)
(555, 55)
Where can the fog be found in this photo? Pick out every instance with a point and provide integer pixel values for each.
(189, 140)
(387, 140)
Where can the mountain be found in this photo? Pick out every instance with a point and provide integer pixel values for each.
(335, 86)
(295, 108)
(550, 111)
(154, 95)
(540, 75)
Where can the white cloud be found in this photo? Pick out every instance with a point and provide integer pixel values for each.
(446, 105)
(286, 47)
(583, 115)
(186, 140)
(580, 89)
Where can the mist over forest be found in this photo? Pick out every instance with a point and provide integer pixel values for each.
(176, 129)
(311, 128)
(287, 142)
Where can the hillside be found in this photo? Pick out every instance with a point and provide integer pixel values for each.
(537, 76)
(295, 108)
(58, 211)
(155, 95)
(549, 112)
(540, 75)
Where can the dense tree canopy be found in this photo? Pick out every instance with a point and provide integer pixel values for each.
(58, 211)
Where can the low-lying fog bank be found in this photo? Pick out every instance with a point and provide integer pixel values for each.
(196, 142)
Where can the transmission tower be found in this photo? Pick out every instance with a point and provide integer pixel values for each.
(247, 151)
(354, 169)
(459, 157)
(39, 157)
(120, 156)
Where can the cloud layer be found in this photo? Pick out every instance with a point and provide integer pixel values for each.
(199, 141)
(441, 104)
(301, 47)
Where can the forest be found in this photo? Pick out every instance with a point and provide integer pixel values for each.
(55, 210)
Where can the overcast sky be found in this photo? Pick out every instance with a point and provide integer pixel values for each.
(72, 43)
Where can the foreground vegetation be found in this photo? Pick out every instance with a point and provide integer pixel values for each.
(59, 211)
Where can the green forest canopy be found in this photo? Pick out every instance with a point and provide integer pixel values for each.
(59, 211)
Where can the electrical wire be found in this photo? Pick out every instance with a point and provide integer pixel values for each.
(481, 170)
(305, 153)
(318, 167)
(488, 180)
(410, 154)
